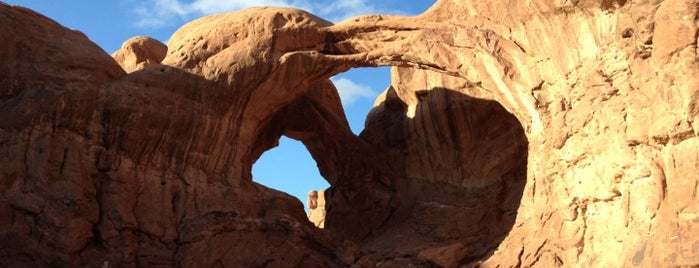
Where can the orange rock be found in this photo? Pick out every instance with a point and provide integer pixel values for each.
(316, 205)
(547, 134)
(140, 52)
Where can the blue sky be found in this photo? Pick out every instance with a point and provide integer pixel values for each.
(288, 167)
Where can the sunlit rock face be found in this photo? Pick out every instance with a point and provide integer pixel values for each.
(536, 133)
(316, 208)
(139, 52)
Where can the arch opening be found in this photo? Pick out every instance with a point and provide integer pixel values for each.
(358, 89)
(289, 168)
(448, 170)
(299, 138)
(435, 165)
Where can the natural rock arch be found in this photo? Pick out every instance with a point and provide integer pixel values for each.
(328, 50)
(153, 167)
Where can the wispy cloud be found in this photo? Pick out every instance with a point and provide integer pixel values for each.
(350, 91)
(159, 13)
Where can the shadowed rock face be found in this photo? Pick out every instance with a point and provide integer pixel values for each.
(418, 191)
(535, 133)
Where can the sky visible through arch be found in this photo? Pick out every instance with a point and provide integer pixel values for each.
(288, 167)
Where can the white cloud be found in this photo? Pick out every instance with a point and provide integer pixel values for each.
(158, 13)
(350, 91)
(204, 7)
(341, 10)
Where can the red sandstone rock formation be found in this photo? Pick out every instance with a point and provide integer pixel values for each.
(316, 208)
(140, 52)
(541, 133)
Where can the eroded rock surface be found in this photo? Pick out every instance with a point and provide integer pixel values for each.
(140, 52)
(537, 133)
(316, 208)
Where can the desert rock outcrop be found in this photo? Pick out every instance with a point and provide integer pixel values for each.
(140, 52)
(536, 133)
(316, 208)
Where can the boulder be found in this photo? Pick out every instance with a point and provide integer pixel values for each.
(140, 52)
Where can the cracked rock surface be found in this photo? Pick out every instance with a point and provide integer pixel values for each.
(536, 133)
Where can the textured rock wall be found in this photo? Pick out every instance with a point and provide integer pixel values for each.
(49, 139)
(615, 162)
(536, 133)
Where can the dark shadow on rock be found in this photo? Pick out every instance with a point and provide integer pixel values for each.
(453, 173)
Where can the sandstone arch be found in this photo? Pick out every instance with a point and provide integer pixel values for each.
(152, 168)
